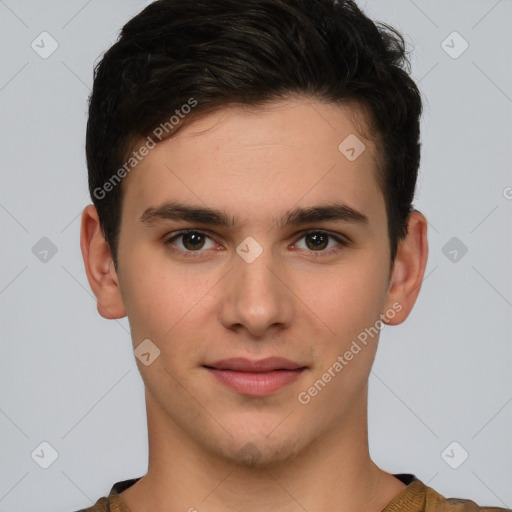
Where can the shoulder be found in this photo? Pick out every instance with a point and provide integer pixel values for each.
(102, 505)
(418, 497)
(436, 502)
(113, 502)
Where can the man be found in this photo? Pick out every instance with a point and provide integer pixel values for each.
(252, 167)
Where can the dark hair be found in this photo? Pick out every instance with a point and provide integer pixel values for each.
(220, 52)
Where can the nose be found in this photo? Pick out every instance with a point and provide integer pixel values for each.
(256, 296)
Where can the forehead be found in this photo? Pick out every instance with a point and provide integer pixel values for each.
(256, 159)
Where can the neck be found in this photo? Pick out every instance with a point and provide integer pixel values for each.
(333, 472)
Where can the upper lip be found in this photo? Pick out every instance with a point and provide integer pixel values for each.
(268, 364)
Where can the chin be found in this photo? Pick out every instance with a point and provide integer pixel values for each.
(262, 452)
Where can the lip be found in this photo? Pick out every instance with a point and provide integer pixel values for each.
(242, 364)
(256, 378)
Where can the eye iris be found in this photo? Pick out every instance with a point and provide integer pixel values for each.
(196, 239)
(319, 240)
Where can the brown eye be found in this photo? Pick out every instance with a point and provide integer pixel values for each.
(317, 241)
(191, 242)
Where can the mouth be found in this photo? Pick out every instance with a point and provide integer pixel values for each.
(256, 378)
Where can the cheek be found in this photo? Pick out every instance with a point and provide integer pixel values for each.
(348, 301)
(148, 296)
(346, 298)
(164, 301)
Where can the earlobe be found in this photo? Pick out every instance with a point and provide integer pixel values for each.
(99, 266)
(408, 270)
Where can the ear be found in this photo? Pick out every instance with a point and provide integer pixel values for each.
(408, 270)
(99, 266)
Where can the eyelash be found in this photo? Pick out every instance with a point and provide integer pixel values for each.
(195, 254)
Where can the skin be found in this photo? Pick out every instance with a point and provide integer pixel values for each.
(294, 301)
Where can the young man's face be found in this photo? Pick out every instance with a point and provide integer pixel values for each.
(213, 296)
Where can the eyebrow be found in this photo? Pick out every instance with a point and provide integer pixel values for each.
(174, 210)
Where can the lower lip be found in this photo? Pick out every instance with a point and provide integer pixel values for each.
(256, 384)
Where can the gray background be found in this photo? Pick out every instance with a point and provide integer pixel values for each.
(68, 376)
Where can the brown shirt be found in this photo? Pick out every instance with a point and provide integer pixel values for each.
(416, 497)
